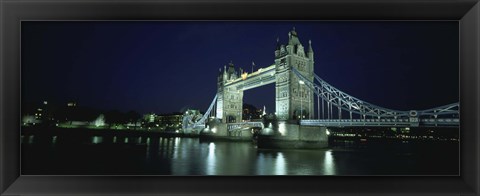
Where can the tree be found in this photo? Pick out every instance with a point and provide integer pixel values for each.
(133, 117)
(114, 117)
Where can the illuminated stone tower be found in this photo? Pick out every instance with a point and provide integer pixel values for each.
(293, 99)
(229, 99)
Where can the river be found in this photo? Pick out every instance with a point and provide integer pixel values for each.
(98, 154)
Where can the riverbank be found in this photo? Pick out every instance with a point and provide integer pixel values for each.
(103, 132)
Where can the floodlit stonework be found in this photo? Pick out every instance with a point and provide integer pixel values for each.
(293, 100)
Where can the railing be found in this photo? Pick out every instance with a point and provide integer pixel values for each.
(201, 123)
(243, 125)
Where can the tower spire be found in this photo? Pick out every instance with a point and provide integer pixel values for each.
(310, 49)
(294, 32)
(278, 44)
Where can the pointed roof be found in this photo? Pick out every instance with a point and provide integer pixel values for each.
(278, 44)
(310, 49)
(231, 69)
(293, 37)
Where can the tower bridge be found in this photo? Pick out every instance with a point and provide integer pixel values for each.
(292, 100)
(297, 86)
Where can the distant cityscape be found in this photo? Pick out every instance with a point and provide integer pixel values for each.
(73, 115)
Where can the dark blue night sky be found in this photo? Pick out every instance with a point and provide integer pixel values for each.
(165, 67)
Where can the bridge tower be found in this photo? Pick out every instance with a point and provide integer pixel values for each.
(293, 100)
(229, 99)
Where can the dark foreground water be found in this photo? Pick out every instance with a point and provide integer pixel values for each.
(99, 154)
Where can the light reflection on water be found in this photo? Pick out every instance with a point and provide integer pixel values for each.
(30, 139)
(189, 156)
(97, 139)
(54, 140)
(176, 147)
(139, 140)
(280, 165)
(328, 163)
(211, 160)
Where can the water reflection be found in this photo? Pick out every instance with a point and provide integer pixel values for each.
(139, 140)
(280, 164)
(176, 148)
(211, 160)
(328, 163)
(97, 139)
(54, 140)
(260, 164)
(30, 139)
(189, 156)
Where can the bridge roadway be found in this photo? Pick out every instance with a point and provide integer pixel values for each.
(440, 122)
(261, 77)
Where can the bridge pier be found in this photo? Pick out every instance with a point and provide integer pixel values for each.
(219, 131)
(285, 135)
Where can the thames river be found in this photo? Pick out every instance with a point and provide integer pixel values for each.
(99, 154)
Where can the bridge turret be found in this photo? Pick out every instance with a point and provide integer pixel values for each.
(310, 50)
(229, 100)
(293, 38)
(232, 73)
(225, 76)
(277, 48)
(293, 99)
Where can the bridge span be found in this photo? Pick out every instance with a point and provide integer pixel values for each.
(449, 122)
(304, 97)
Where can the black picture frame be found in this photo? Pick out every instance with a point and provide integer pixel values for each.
(467, 12)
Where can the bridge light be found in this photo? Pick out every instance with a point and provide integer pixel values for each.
(328, 132)
(301, 82)
(282, 128)
(244, 75)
